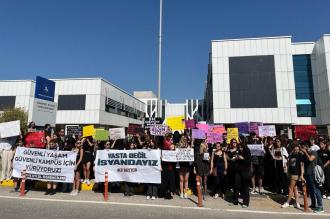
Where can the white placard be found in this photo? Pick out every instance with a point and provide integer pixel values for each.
(267, 130)
(178, 155)
(256, 149)
(117, 133)
(45, 165)
(9, 129)
(158, 130)
(138, 166)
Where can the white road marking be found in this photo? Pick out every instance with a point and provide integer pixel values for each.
(165, 206)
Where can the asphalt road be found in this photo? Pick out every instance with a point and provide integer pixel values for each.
(40, 208)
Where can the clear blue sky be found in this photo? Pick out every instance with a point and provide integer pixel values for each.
(118, 39)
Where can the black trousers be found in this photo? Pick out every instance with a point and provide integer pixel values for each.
(326, 186)
(168, 180)
(219, 184)
(152, 190)
(280, 182)
(241, 185)
(129, 188)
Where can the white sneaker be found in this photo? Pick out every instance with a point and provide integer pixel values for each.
(324, 196)
(285, 205)
(153, 198)
(88, 182)
(75, 193)
(181, 195)
(261, 190)
(185, 195)
(148, 197)
(216, 195)
(297, 205)
(328, 198)
(254, 192)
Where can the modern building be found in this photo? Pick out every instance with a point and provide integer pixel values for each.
(80, 101)
(190, 109)
(270, 80)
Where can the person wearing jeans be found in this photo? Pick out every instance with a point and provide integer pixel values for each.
(313, 189)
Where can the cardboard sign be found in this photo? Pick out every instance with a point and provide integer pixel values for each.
(256, 149)
(267, 130)
(198, 134)
(101, 135)
(218, 129)
(72, 130)
(176, 123)
(152, 121)
(305, 132)
(214, 137)
(204, 127)
(88, 130)
(158, 130)
(10, 129)
(35, 139)
(190, 124)
(179, 155)
(134, 129)
(232, 133)
(243, 127)
(117, 133)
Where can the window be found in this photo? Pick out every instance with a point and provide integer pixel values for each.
(252, 82)
(115, 107)
(304, 86)
(71, 102)
(7, 102)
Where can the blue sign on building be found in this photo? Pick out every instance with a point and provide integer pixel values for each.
(45, 89)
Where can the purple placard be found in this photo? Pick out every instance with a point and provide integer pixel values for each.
(198, 134)
(204, 127)
(254, 127)
(214, 137)
(190, 124)
(243, 127)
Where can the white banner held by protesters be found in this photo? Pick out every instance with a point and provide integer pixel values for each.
(158, 130)
(179, 155)
(139, 166)
(9, 129)
(256, 149)
(45, 165)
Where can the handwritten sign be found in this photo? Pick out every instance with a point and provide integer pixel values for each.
(178, 155)
(158, 130)
(267, 130)
(218, 129)
(232, 133)
(243, 127)
(198, 134)
(117, 133)
(214, 137)
(101, 135)
(256, 149)
(9, 129)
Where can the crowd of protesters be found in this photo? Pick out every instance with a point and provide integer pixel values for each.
(226, 169)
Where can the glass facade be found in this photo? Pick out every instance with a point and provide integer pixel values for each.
(304, 86)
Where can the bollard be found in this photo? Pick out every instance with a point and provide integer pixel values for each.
(106, 189)
(22, 187)
(199, 192)
(306, 209)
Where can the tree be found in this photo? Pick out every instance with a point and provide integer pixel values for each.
(13, 114)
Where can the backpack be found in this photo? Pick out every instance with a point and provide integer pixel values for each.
(319, 177)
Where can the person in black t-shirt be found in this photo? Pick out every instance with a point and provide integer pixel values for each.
(324, 157)
(296, 173)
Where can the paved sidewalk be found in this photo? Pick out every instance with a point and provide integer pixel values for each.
(269, 203)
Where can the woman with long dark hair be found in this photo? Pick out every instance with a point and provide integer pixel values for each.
(78, 168)
(242, 166)
(88, 148)
(280, 156)
(219, 170)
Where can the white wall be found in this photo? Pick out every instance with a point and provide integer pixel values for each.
(280, 47)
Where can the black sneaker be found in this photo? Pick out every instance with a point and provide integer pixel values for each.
(48, 192)
(318, 210)
(53, 192)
